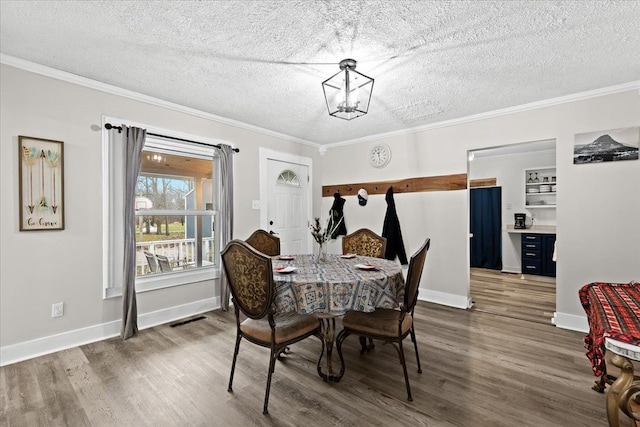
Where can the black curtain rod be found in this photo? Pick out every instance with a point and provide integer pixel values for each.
(109, 126)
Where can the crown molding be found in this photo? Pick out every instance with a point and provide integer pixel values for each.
(54, 73)
(625, 87)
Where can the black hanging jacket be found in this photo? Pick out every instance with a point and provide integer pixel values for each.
(391, 230)
(336, 213)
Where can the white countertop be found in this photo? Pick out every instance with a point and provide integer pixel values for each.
(539, 229)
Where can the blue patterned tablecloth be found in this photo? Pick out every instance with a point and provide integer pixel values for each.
(336, 285)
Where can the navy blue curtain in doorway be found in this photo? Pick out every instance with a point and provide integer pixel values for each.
(486, 228)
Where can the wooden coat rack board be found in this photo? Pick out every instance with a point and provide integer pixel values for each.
(408, 185)
(483, 182)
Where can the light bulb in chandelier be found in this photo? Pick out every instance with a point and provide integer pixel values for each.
(348, 97)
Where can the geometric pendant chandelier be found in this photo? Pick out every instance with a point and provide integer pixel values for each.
(348, 92)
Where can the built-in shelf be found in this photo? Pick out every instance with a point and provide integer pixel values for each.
(540, 178)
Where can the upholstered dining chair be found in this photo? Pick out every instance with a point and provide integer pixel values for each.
(391, 325)
(153, 263)
(264, 242)
(364, 242)
(250, 276)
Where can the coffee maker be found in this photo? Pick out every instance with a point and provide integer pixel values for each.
(520, 219)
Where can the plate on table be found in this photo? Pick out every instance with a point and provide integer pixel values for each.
(348, 256)
(284, 270)
(366, 266)
(286, 257)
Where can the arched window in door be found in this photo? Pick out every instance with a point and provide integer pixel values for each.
(288, 177)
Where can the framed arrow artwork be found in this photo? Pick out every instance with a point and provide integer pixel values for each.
(41, 182)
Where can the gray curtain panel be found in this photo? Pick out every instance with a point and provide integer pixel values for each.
(133, 139)
(226, 213)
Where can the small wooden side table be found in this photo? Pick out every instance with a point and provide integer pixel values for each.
(624, 393)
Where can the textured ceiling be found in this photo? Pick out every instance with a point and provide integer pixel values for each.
(262, 62)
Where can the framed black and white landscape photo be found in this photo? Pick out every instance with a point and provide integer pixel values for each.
(606, 146)
(41, 184)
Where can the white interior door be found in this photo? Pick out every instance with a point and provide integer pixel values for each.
(287, 200)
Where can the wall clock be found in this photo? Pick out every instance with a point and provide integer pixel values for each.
(380, 155)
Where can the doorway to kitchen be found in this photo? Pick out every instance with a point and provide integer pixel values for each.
(497, 284)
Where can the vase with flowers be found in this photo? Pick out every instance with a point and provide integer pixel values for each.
(323, 235)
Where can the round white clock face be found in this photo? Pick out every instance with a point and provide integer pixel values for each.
(380, 155)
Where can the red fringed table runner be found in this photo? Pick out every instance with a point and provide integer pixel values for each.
(613, 311)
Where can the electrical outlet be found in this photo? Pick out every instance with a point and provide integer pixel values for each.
(57, 309)
(255, 204)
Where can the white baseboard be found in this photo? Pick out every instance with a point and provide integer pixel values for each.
(508, 269)
(170, 314)
(571, 322)
(443, 298)
(39, 347)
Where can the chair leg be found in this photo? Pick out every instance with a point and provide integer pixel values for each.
(233, 364)
(415, 345)
(363, 345)
(272, 367)
(404, 368)
(283, 351)
(339, 340)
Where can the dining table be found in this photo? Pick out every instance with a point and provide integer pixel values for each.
(329, 287)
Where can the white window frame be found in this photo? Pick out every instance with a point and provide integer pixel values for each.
(111, 287)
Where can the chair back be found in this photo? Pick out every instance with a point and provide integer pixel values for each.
(265, 242)
(151, 260)
(416, 266)
(250, 276)
(364, 242)
(163, 262)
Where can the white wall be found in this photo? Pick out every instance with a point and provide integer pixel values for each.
(597, 220)
(441, 216)
(509, 172)
(38, 269)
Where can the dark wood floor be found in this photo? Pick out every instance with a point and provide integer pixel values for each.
(479, 369)
(531, 298)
